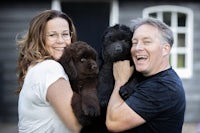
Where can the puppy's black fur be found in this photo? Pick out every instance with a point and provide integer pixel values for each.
(116, 46)
(80, 64)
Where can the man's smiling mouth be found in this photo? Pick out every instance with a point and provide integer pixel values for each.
(141, 57)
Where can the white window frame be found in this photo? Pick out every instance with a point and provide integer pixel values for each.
(187, 71)
(114, 12)
(56, 5)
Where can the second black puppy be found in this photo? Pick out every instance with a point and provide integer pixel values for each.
(116, 47)
(79, 62)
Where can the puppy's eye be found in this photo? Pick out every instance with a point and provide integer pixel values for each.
(83, 59)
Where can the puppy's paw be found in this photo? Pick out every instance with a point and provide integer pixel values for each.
(91, 110)
(103, 102)
(104, 99)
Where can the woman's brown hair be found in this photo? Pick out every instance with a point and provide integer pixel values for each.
(32, 47)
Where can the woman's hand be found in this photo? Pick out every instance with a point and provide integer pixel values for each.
(122, 71)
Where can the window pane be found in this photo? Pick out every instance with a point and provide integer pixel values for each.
(181, 40)
(181, 61)
(167, 18)
(153, 15)
(181, 19)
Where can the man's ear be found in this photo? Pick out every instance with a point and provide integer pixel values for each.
(166, 49)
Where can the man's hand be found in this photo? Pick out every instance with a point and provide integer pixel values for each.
(122, 71)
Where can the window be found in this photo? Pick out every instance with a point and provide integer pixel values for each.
(180, 19)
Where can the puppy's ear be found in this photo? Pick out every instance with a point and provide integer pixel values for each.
(71, 69)
(67, 62)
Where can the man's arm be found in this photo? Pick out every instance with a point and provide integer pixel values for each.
(120, 116)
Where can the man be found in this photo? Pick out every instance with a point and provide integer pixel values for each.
(157, 104)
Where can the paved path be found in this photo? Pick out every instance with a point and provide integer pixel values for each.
(187, 128)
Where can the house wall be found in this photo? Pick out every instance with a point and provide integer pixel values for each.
(130, 10)
(14, 19)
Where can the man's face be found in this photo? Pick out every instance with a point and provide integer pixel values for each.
(147, 50)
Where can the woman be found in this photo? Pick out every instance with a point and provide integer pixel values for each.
(44, 90)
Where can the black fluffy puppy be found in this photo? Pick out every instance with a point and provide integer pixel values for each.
(79, 62)
(116, 47)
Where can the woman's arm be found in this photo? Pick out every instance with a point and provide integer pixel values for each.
(59, 95)
(120, 116)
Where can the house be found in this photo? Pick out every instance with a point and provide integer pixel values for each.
(91, 17)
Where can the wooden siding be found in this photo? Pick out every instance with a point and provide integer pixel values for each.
(14, 19)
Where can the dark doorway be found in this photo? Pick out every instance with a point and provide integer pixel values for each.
(90, 20)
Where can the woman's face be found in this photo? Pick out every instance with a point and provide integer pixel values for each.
(57, 37)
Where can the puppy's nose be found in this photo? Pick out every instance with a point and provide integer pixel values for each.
(94, 66)
(118, 48)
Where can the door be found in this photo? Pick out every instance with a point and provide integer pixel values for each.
(90, 20)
